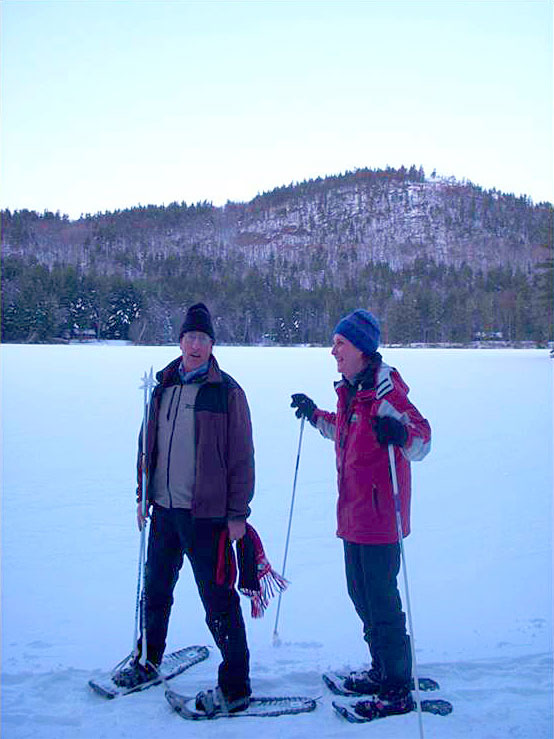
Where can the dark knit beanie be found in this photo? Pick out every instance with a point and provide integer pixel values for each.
(198, 319)
(362, 329)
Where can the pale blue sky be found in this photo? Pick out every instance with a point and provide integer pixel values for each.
(110, 103)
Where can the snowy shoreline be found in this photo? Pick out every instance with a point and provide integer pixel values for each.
(415, 345)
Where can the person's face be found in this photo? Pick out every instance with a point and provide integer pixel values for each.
(196, 347)
(350, 360)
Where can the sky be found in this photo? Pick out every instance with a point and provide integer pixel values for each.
(109, 104)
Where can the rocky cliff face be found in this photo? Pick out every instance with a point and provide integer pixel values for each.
(396, 222)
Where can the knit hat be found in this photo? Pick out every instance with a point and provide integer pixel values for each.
(362, 329)
(198, 319)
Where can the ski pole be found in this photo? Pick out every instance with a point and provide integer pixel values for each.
(140, 609)
(276, 640)
(392, 465)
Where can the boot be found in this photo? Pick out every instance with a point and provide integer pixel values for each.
(135, 674)
(389, 702)
(365, 682)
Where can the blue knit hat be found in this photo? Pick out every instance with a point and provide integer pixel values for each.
(362, 329)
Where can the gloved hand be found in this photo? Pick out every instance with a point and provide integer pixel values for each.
(141, 520)
(304, 406)
(390, 431)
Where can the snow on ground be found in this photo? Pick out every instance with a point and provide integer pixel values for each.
(479, 559)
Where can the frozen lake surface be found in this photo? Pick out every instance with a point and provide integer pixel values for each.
(479, 557)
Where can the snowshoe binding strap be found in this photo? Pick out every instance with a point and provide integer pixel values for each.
(364, 682)
(212, 702)
(207, 702)
(135, 675)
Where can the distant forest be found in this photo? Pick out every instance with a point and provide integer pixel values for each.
(283, 268)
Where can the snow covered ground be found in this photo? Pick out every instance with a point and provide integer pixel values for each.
(479, 558)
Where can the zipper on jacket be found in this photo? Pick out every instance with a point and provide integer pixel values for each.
(171, 403)
(348, 413)
(344, 438)
(171, 445)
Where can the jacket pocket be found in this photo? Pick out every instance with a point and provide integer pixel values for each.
(220, 456)
(375, 498)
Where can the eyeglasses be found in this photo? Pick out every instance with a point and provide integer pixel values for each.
(199, 336)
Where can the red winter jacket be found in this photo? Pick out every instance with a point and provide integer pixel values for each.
(365, 507)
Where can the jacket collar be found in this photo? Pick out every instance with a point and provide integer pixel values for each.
(170, 374)
(364, 380)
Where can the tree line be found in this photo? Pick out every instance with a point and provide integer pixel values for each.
(423, 302)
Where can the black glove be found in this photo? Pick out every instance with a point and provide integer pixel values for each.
(304, 406)
(390, 431)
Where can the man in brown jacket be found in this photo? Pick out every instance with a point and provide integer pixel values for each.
(200, 480)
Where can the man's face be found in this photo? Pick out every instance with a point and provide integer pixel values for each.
(196, 347)
(350, 360)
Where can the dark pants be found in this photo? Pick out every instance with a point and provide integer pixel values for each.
(371, 572)
(174, 533)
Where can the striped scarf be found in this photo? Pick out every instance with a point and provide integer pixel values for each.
(257, 579)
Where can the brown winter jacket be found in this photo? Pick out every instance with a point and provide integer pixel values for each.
(224, 482)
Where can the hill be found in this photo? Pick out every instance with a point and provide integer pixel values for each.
(438, 260)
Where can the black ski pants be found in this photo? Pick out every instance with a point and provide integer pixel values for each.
(371, 576)
(174, 533)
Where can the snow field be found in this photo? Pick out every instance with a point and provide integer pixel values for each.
(479, 558)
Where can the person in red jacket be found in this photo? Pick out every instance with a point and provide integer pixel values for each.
(373, 411)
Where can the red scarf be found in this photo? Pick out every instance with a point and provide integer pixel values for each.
(257, 579)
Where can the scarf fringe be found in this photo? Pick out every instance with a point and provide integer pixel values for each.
(271, 584)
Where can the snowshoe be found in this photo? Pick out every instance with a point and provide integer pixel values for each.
(258, 707)
(350, 712)
(171, 665)
(337, 684)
